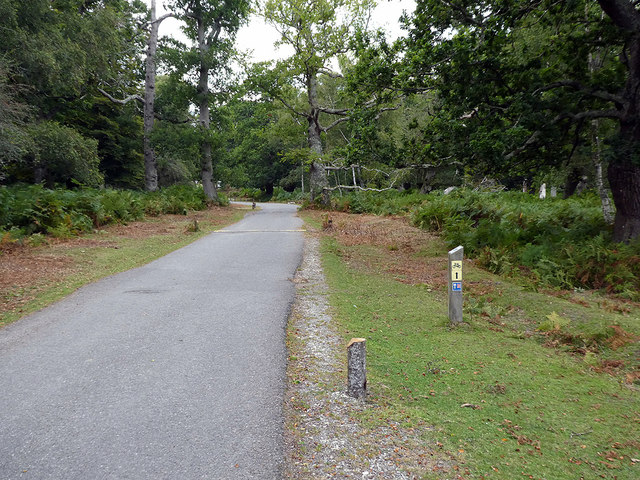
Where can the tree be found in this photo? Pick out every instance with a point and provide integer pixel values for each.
(624, 166)
(14, 140)
(61, 155)
(515, 91)
(150, 163)
(212, 26)
(148, 101)
(174, 138)
(60, 52)
(318, 32)
(257, 134)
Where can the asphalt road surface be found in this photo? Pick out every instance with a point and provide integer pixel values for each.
(174, 370)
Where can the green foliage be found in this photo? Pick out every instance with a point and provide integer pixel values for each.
(14, 141)
(54, 56)
(247, 193)
(118, 130)
(60, 154)
(177, 199)
(317, 31)
(379, 203)
(563, 243)
(254, 134)
(281, 195)
(553, 322)
(28, 210)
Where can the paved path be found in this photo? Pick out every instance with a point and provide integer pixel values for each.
(170, 371)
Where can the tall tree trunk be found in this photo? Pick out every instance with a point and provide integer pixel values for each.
(624, 178)
(150, 164)
(206, 162)
(624, 167)
(318, 180)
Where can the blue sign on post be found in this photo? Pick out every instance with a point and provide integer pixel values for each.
(456, 286)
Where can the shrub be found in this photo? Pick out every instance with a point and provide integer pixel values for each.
(389, 202)
(61, 155)
(281, 195)
(33, 209)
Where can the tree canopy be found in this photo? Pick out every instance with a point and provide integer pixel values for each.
(523, 92)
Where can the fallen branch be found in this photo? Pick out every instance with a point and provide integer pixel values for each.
(357, 187)
(351, 167)
(574, 434)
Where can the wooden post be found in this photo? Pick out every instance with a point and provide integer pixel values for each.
(455, 284)
(357, 366)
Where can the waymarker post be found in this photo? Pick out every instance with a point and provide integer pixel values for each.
(455, 284)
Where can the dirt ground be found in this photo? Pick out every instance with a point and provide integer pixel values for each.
(396, 235)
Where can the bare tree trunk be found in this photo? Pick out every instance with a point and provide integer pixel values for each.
(318, 179)
(150, 164)
(206, 162)
(608, 211)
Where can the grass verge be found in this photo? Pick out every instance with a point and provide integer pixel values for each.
(533, 385)
(32, 277)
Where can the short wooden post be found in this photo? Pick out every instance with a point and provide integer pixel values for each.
(455, 284)
(357, 367)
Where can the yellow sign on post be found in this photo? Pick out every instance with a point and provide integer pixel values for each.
(456, 271)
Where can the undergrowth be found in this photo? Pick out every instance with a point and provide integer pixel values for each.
(563, 243)
(27, 210)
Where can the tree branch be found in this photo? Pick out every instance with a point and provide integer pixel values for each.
(163, 18)
(465, 14)
(346, 111)
(214, 34)
(334, 111)
(386, 109)
(362, 167)
(330, 73)
(601, 94)
(289, 107)
(590, 115)
(357, 187)
(123, 101)
(334, 124)
(576, 117)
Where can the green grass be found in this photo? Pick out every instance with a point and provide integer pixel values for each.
(541, 412)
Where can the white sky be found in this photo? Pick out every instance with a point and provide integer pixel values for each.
(259, 37)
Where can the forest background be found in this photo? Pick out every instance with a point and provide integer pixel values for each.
(488, 95)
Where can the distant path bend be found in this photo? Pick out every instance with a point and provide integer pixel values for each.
(174, 370)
